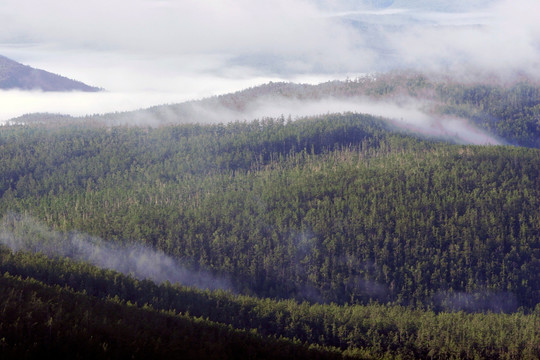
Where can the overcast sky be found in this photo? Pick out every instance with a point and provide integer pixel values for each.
(148, 52)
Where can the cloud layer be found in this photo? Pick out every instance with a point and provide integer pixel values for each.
(191, 48)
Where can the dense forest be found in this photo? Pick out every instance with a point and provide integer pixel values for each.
(324, 237)
(58, 307)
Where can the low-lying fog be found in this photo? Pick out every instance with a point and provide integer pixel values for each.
(24, 233)
(407, 113)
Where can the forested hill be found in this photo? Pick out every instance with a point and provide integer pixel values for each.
(509, 111)
(383, 235)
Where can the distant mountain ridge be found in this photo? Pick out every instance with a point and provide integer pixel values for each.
(14, 75)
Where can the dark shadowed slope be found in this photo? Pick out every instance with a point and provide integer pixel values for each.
(18, 76)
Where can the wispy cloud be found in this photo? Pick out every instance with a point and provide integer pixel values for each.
(23, 233)
(407, 114)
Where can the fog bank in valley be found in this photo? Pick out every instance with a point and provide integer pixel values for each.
(406, 114)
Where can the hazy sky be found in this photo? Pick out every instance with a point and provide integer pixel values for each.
(147, 52)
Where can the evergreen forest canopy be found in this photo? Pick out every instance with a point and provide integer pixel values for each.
(339, 235)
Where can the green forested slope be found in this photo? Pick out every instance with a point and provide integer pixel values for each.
(74, 308)
(330, 209)
(40, 320)
(382, 237)
(510, 111)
